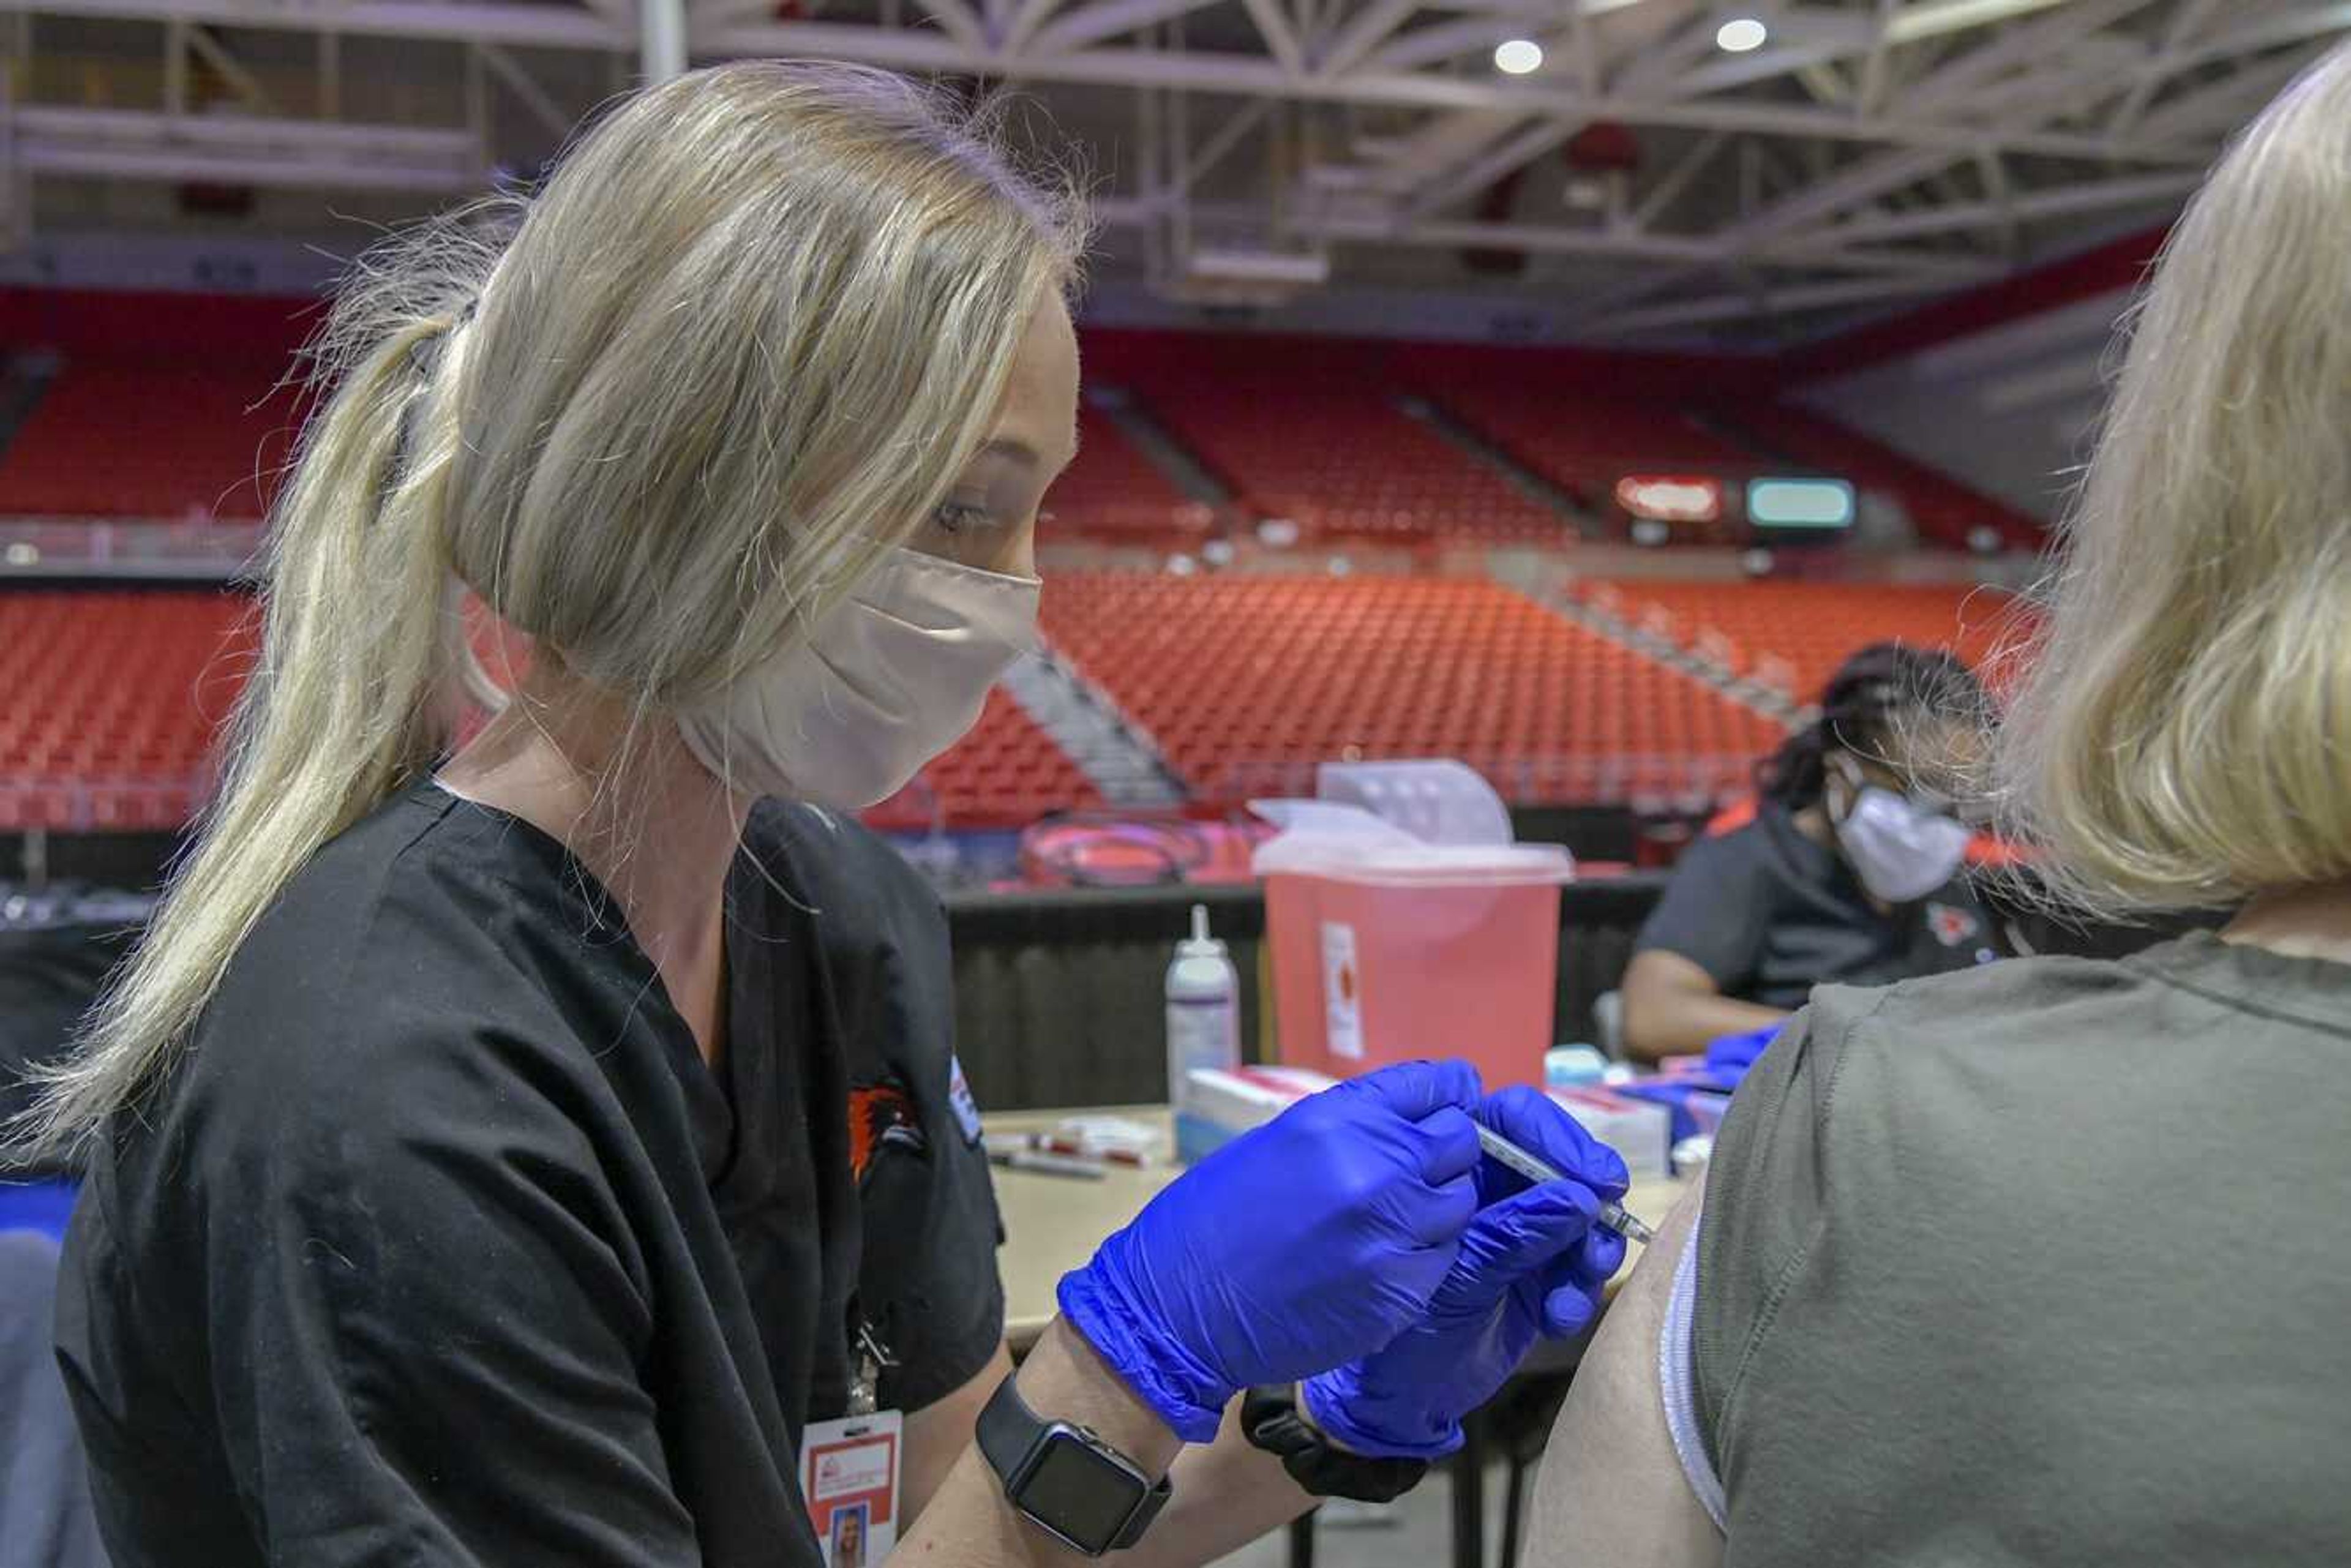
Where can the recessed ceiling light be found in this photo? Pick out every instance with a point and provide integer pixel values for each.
(1740, 34)
(1517, 57)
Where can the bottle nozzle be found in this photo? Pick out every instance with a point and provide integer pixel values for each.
(1199, 923)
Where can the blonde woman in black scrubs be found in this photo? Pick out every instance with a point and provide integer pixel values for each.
(465, 1184)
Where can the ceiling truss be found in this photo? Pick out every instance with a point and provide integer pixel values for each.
(1870, 151)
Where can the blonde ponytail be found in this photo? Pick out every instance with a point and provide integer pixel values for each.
(739, 348)
(350, 698)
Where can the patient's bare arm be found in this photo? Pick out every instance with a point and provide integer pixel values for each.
(1611, 1490)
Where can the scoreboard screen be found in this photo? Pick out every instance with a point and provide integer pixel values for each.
(1799, 504)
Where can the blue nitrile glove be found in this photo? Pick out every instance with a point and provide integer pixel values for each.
(1533, 1262)
(1298, 1245)
(1733, 1054)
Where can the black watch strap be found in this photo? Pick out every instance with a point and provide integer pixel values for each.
(1010, 1433)
(1273, 1421)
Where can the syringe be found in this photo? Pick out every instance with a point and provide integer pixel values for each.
(1612, 1214)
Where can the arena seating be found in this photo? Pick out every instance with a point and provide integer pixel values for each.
(1585, 440)
(109, 703)
(1335, 455)
(138, 441)
(1943, 510)
(1005, 774)
(1247, 681)
(1808, 628)
(1112, 490)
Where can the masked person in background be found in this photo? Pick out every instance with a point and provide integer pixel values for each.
(461, 1187)
(1850, 871)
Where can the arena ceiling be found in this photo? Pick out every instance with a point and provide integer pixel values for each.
(1644, 181)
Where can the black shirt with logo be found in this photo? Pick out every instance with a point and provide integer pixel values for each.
(1770, 914)
(441, 1243)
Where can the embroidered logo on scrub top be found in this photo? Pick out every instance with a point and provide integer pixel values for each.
(879, 1113)
(967, 1110)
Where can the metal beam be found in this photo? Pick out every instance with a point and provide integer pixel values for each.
(1933, 18)
(1765, 301)
(1364, 31)
(1559, 240)
(2294, 27)
(2068, 201)
(233, 150)
(702, 13)
(661, 39)
(2224, 104)
(1140, 67)
(1513, 155)
(2186, 23)
(497, 21)
(543, 108)
(1763, 65)
(2002, 193)
(1824, 199)
(1031, 16)
(1675, 180)
(1876, 66)
(175, 67)
(955, 20)
(1221, 142)
(1280, 38)
(1591, 68)
(232, 69)
(1091, 24)
(2024, 46)
(1652, 74)
(1437, 44)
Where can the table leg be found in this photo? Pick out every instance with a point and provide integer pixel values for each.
(1469, 1496)
(1302, 1540)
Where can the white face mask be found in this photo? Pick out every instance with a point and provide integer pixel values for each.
(1900, 850)
(886, 682)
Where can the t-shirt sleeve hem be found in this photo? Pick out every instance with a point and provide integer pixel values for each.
(1676, 1381)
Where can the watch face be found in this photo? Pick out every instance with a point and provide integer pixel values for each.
(1080, 1494)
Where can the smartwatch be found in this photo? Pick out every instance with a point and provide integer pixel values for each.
(1064, 1480)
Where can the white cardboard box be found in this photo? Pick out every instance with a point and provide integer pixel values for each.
(1639, 1130)
(1225, 1104)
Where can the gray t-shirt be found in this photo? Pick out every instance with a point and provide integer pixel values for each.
(2043, 1262)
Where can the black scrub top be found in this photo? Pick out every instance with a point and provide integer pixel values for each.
(442, 1245)
(1770, 914)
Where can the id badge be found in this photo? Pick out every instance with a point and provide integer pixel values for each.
(848, 1474)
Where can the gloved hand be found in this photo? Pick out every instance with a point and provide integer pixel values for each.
(1732, 1054)
(1534, 1261)
(1299, 1244)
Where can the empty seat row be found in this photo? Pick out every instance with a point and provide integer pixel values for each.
(1243, 680)
(110, 703)
(150, 442)
(1800, 632)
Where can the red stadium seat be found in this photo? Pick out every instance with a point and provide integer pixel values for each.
(1327, 448)
(1247, 682)
(149, 441)
(1113, 491)
(110, 702)
(1585, 439)
(1006, 773)
(1810, 628)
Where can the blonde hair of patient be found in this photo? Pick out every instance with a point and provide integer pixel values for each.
(2182, 734)
(740, 346)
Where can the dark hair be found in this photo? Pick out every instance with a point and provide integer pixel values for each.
(1863, 707)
